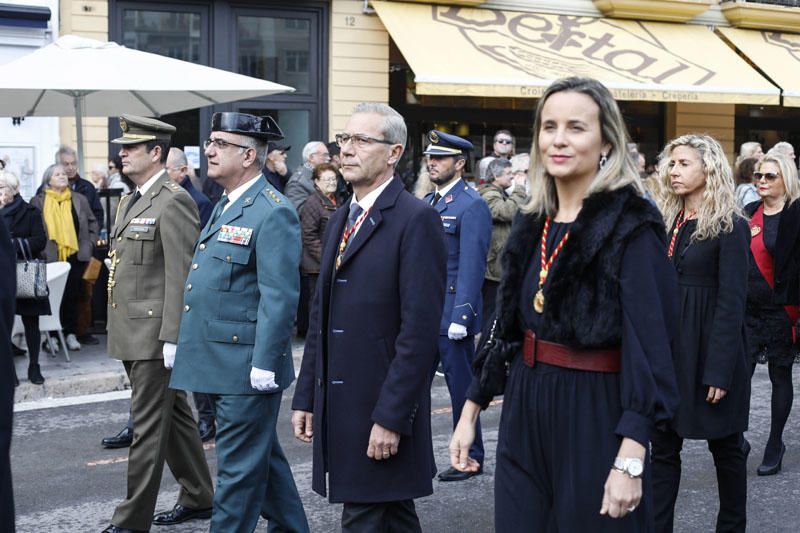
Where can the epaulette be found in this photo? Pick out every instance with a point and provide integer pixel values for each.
(270, 194)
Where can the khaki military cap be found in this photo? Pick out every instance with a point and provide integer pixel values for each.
(142, 129)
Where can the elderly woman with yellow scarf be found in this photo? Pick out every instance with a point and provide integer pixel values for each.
(72, 231)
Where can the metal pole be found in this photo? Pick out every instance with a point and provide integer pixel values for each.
(78, 101)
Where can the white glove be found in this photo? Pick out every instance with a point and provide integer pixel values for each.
(456, 332)
(262, 380)
(169, 354)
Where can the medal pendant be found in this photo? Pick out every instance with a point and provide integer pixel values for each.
(338, 261)
(538, 301)
(342, 247)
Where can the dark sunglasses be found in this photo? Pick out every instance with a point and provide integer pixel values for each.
(503, 141)
(771, 176)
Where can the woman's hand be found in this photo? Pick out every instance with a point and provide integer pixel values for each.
(621, 495)
(463, 437)
(715, 394)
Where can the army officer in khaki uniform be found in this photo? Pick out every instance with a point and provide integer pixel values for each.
(151, 250)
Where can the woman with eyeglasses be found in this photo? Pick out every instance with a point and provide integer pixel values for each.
(709, 249)
(314, 216)
(773, 292)
(588, 295)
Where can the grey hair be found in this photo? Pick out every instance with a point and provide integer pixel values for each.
(10, 180)
(496, 168)
(261, 149)
(48, 173)
(310, 148)
(782, 147)
(394, 127)
(65, 150)
(179, 156)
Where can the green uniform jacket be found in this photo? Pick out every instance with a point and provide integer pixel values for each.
(241, 296)
(151, 249)
(504, 208)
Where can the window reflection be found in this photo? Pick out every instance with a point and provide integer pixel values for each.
(275, 49)
(171, 34)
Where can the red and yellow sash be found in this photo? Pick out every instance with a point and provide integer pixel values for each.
(764, 261)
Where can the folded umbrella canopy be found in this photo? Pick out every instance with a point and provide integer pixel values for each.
(84, 77)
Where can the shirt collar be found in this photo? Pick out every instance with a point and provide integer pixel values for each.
(241, 189)
(368, 201)
(149, 183)
(443, 192)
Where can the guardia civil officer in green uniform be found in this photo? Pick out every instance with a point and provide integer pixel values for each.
(235, 344)
(151, 250)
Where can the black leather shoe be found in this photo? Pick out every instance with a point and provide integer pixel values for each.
(771, 470)
(35, 375)
(122, 439)
(207, 431)
(114, 529)
(179, 514)
(451, 474)
(89, 340)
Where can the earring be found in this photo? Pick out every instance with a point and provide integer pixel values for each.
(603, 160)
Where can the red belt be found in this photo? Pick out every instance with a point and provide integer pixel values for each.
(559, 355)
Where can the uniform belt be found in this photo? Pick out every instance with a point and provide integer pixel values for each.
(552, 353)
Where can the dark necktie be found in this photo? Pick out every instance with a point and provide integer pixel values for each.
(218, 210)
(132, 201)
(436, 198)
(355, 212)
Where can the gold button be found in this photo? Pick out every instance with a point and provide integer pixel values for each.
(194, 266)
(228, 258)
(189, 287)
(119, 239)
(114, 305)
(186, 308)
(463, 317)
(202, 247)
(149, 312)
(235, 338)
(136, 236)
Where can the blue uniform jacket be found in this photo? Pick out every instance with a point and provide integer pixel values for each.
(240, 298)
(467, 224)
(204, 205)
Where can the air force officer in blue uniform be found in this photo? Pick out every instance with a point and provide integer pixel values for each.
(467, 224)
(235, 344)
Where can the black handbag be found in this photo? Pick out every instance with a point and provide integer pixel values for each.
(492, 361)
(31, 274)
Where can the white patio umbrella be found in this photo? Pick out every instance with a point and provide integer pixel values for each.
(84, 77)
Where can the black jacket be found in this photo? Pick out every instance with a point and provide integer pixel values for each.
(8, 287)
(25, 223)
(787, 253)
(583, 305)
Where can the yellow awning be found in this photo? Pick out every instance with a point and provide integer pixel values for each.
(776, 54)
(483, 52)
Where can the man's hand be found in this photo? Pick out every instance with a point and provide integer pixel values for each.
(456, 332)
(383, 443)
(169, 354)
(262, 380)
(715, 394)
(302, 422)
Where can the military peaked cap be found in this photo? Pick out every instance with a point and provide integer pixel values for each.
(445, 144)
(142, 129)
(263, 128)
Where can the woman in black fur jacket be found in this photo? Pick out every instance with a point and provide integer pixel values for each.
(588, 295)
(772, 292)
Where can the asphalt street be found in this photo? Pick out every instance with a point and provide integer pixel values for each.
(65, 482)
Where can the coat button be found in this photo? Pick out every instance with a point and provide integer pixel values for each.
(114, 305)
(202, 247)
(463, 317)
(235, 339)
(452, 288)
(136, 236)
(189, 287)
(194, 266)
(186, 308)
(228, 258)
(119, 239)
(149, 312)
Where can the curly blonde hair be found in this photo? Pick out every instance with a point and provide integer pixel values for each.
(718, 207)
(619, 170)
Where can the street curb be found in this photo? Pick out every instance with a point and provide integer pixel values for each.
(72, 386)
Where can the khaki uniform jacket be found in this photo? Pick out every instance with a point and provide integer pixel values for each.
(151, 250)
(504, 208)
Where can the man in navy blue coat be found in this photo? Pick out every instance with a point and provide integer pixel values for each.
(363, 393)
(467, 224)
(8, 290)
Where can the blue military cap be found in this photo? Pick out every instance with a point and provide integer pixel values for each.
(444, 144)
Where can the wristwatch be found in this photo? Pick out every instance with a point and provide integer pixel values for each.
(630, 466)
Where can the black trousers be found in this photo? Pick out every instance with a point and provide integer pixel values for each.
(731, 465)
(385, 517)
(205, 407)
(489, 295)
(72, 295)
(303, 305)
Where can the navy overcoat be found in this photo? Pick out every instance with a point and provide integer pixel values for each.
(371, 348)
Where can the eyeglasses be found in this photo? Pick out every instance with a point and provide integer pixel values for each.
(329, 180)
(359, 140)
(771, 176)
(222, 144)
(503, 141)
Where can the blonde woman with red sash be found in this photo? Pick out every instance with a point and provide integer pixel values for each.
(774, 291)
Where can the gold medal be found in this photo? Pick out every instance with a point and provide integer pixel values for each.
(538, 301)
(755, 230)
